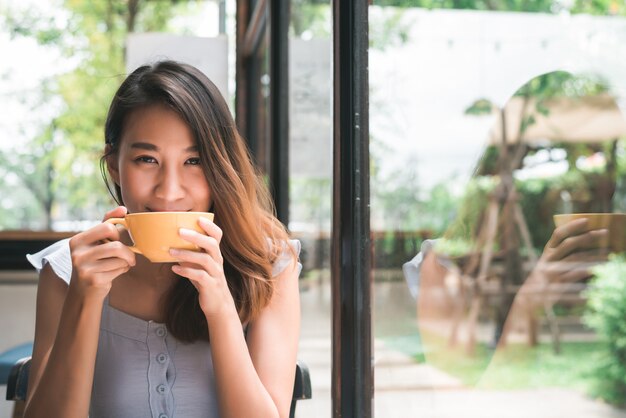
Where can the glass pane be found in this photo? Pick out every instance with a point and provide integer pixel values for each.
(310, 171)
(485, 124)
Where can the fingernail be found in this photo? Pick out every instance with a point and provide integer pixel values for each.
(204, 220)
(174, 251)
(185, 231)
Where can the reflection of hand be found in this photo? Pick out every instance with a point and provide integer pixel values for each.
(568, 257)
(571, 251)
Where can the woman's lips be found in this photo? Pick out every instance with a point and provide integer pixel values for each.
(167, 210)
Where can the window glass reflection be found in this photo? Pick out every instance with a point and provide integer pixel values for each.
(482, 131)
(310, 188)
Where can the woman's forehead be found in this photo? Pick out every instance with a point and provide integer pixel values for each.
(154, 127)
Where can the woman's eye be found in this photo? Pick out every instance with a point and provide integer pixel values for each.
(193, 161)
(145, 159)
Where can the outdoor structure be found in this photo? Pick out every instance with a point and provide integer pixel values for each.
(522, 124)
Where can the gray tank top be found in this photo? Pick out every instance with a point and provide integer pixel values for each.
(143, 371)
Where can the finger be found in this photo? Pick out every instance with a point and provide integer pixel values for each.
(118, 212)
(561, 271)
(588, 240)
(206, 242)
(103, 276)
(594, 255)
(94, 235)
(559, 267)
(111, 249)
(195, 258)
(104, 266)
(575, 227)
(578, 274)
(197, 276)
(210, 228)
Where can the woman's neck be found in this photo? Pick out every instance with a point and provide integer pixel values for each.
(140, 291)
(154, 275)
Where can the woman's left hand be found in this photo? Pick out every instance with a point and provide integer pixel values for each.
(205, 269)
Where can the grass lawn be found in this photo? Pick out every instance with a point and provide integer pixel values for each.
(516, 366)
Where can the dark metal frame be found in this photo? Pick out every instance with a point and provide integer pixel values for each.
(249, 105)
(353, 373)
(279, 106)
(262, 22)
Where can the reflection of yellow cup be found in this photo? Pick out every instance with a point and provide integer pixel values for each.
(615, 223)
(154, 233)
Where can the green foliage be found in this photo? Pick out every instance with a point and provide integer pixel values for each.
(538, 206)
(607, 316)
(481, 106)
(312, 17)
(471, 209)
(398, 197)
(546, 6)
(310, 201)
(563, 84)
(394, 248)
(388, 28)
(454, 247)
(438, 209)
(399, 203)
(63, 152)
(594, 7)
(599, 7)
(514, 367)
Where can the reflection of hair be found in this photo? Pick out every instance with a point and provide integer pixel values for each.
(241, 202)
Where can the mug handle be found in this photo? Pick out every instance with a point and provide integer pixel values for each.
(122, 221)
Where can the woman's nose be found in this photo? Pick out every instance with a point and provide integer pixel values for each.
(170, 186)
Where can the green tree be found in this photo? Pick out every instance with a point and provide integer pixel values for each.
(594, 7)
(62, 152)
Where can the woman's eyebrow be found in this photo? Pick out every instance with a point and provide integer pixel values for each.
(151, 147)
(144, 145)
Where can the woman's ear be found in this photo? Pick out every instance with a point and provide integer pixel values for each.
(112, 163)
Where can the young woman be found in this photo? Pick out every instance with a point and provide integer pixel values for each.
(214, 335)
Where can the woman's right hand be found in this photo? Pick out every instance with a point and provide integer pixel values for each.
(98, 257)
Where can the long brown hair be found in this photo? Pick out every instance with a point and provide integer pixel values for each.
(253, 237)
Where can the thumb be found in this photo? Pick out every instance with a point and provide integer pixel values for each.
(118, 212)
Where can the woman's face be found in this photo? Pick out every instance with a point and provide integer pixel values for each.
(158, 166)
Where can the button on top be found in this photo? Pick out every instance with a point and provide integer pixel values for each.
(161, 389)
(163, 416)
(161, 331)
(162, 358)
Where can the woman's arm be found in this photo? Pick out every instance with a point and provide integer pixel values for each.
(51, 293)
(268, 379)
(66, 338)
(68, 323)
(254, 378)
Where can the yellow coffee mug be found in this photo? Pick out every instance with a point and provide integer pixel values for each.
(615, 223)
(154, 233)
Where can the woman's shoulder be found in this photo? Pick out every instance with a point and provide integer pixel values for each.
(287, 251)
(58, 256)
